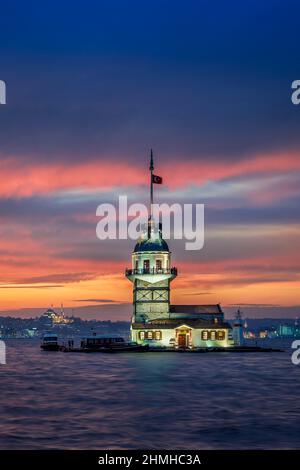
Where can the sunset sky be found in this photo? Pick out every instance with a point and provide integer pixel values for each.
(91, 87)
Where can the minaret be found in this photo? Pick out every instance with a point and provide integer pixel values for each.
(151, 271)
(238, 337)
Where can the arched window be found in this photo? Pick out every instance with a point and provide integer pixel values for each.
(221, 335)
(146, 265)
(204, 335)
(142, 335)
(158, 265)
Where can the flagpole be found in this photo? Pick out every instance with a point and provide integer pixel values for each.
(151, 168)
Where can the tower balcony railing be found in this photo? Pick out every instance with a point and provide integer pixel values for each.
(130, 272)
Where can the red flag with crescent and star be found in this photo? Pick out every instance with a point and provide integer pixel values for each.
(157, 179)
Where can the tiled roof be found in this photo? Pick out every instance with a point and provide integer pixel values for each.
(208, 309)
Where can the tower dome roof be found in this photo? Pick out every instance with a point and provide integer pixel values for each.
(149, 244)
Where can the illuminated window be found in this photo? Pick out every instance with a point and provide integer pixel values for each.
(221, 335)
(213, 335)
(142, 335)
(204, 335)
(158, 335)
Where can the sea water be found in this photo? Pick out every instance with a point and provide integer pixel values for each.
(148, 401)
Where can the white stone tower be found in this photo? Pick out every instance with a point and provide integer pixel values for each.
(151, 271)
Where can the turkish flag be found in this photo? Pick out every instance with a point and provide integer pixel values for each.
(157, 179)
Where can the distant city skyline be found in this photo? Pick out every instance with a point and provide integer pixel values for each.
(122, 311)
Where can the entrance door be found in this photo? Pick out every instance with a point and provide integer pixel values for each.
(182, 340)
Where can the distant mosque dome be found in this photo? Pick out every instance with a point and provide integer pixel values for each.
(49, 313)
(150, 244)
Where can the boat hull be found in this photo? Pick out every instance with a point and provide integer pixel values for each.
(50, 347)
(107, 350)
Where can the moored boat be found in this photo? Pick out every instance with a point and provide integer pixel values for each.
(49, 342)
(109, 343)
